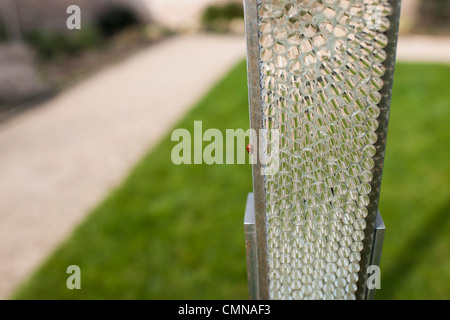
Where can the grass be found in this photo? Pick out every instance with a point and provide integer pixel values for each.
(415, 200)
(169, 232)
(176, 232)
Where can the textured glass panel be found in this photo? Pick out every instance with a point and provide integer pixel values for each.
(322, 68)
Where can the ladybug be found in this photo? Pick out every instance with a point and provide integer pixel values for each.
(249, 148)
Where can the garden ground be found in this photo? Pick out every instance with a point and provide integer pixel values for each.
(175, 232)
(60, 158)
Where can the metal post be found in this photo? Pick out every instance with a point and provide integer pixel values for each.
(321, 74)
(378, 241)
(253, 72)
(250, 244)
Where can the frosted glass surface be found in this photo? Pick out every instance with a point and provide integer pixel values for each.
(321, 73)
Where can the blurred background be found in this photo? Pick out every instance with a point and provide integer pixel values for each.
(85, 171)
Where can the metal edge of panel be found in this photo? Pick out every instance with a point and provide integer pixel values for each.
(375, 260)
(254, 90)
(385, 104)
(251, 248)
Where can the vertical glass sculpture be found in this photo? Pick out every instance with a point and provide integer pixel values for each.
(320, 74)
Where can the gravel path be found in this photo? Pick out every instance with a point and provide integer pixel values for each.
(60, 159)
(424, 49)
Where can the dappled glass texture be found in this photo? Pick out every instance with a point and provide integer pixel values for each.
(322, 68)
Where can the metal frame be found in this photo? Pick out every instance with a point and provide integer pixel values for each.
(251, 249)
(375, 260)
(253, 72)
(385, 104)
(257, 240)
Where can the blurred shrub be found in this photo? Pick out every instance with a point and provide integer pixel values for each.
(157, 32)
(116, 19)
(218, 18)
(3, 36)
(434, 16)
(50, 44)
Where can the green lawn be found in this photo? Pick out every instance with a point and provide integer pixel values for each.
(176, 232)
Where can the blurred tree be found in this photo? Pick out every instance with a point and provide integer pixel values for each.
(433, 16)
(2, 32)
(10, 21)
(115, 19)
(217, 18)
